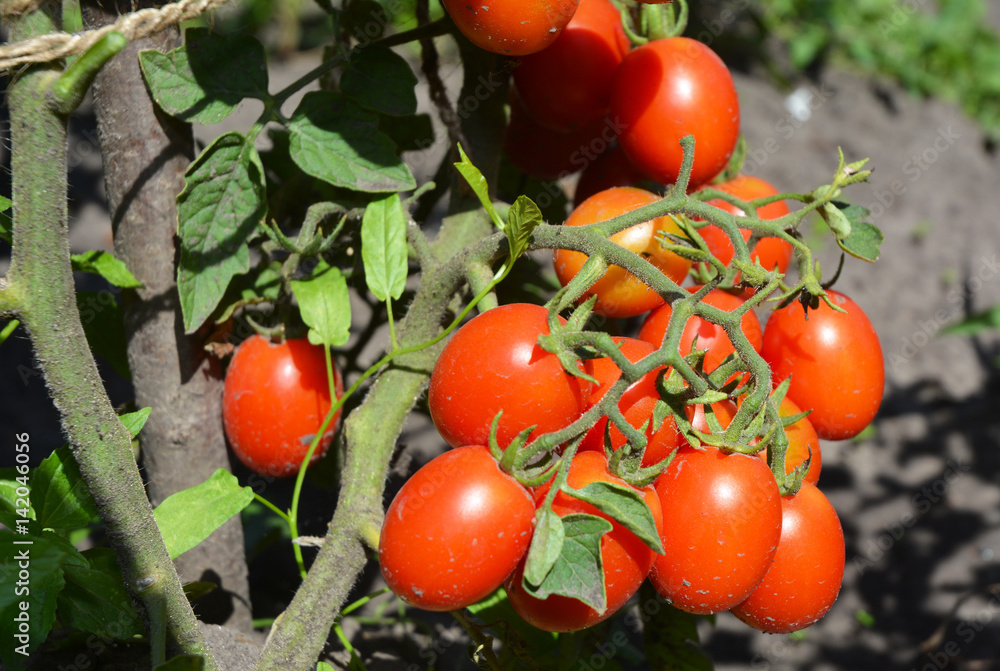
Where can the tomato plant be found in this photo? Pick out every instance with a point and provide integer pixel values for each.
(772, 252)
(804, 580)
(625, 558)
(512, 27)
(620, 294)
(711, 337)
(834, 360)
(494, 363)
(455, 531)
(567, 85)
(670, 88)
(275, 398)
(611, 168)
(545, 153)
(636, 404)
(721, 525)
(803, 443)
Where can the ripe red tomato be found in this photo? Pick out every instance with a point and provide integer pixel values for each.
(636, 404)
(834, 360)
(802, 441)
(771, 251)
(494, 363)
(455, 531)
(274, 400)
(667, 89)
(721, 524)
(808, 569)
(711, 336)
(625, 558)
(612, 168)
(619, 293)
(512, 28)
(568, 84)
(548, 154)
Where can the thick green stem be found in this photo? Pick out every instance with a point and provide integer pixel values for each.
(40, 271)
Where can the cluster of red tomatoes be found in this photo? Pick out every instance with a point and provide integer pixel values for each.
(587, 101)
(461, 527)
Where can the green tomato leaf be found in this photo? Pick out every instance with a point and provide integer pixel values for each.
(670, 638)
(182, 663)
(381, 80)
(12, 508)
(977, 323)
(5, 222)
(58, 493)
(94, 598)
(546, 546)
(190, 516)
(863, 242)
(204, 80)
(221, 205)
(134, 421)
(337, 140)
(479, 186)
(31, 602)
(836, 220)
(522, 219)
(325, 305)
(383, 247)
(104, 326)
(578, 571)
(5, 204)
(107, 266)
(410, 133)
(624, 505)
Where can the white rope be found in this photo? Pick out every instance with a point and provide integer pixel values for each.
(134, 26)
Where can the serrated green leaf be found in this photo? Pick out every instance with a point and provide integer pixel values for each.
(10, 502)
(670, 638)
(410, 133)
(47, 554)
(337, 140)
(94, 598)
(204, 80)
(479, 186)
(190, 516)
(863, 242)
(578, 571)
(325, 305)
(220, 207)
(380, 79)
(383, 247)
(522, 219)
(104, 327)
(546, 545)
(58, 493)
(624, 505)
(107, 266)
(182, 663)
(134, 421)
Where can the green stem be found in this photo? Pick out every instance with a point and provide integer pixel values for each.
(8, 329)
(40, 269)
(484, 643)
(71, 87)
(273, 508)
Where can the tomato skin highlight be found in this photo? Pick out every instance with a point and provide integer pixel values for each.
(274, 400)
(455, 531)
(721, 525)
(625, 558)
(512, 28)
(771, 251)
(667, 89)
(619, 293)
(835, 362)
(494, 363)
(711, 337)
(805, 578)
(567, 85)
